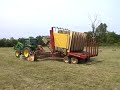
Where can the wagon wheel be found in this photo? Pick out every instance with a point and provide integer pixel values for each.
(66, 59)
(17, 53)
(26, 52)
(74, 60)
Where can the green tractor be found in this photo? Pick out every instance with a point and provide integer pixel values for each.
(27, 48)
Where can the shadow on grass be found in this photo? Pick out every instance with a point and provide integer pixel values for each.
(88, 62)
(93, 61)
(50, 59)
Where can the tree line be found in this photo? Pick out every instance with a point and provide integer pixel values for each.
(103, 36)
(12, 42)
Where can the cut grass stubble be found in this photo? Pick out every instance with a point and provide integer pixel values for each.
(103, 72)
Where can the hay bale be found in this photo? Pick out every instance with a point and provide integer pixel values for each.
(31, 58)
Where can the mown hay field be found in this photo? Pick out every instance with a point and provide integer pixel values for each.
(101, 73)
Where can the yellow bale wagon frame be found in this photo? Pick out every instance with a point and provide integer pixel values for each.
(74, 46)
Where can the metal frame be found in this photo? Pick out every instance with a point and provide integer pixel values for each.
(91, 47)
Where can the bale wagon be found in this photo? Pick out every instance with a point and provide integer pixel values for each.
(69, 45)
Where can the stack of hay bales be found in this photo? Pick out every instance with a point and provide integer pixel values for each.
(77, 41)
(69, 41)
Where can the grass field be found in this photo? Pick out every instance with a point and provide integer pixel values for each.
(102, 73)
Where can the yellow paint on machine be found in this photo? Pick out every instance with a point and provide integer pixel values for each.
(74, 41)
(61, 40)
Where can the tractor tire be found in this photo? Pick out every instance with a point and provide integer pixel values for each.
(67, 59)
(17, 53)
(26, 52)
(74, 60)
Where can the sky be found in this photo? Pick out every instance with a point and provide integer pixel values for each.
(24, 18)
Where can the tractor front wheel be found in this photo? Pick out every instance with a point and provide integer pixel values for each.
(17, 53)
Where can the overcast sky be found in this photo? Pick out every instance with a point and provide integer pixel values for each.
(24, 18)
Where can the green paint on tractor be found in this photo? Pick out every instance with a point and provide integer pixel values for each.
(27, 47)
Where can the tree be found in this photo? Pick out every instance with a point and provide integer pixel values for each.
(40, 41)
(2, 42)
(94, 24)
(7, 42)
(112, 38)
(101, 32)
(21, 40)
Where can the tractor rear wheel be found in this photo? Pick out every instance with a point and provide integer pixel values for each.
(74, 60)
(66, 59)
(26, 52)
(17, 53)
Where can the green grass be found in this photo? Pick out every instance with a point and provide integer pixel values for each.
(102, 73)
